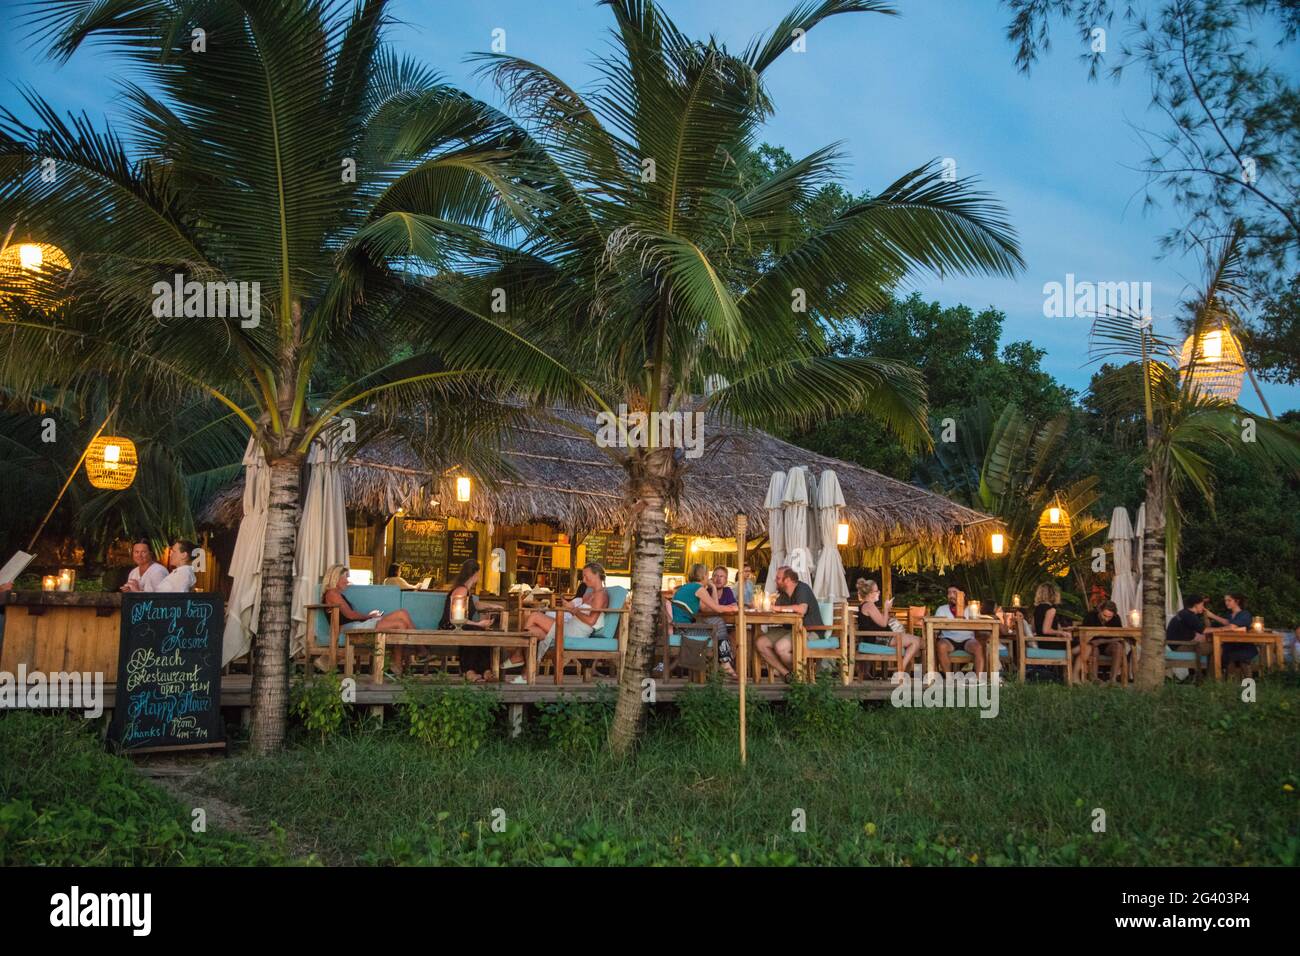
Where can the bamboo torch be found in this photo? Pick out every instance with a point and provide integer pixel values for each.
(742, 523)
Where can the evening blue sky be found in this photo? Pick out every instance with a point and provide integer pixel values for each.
(1058, 151)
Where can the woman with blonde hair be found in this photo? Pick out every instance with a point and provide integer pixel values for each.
(874, 618)
(332, 586)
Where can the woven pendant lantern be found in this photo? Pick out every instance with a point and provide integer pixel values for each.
(1054, 526)
(111, 462)
(22, 262)
(1219, 366)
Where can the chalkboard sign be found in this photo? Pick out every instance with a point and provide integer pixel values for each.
(461, 546)
(675, 554)
(422, 544)
(609, 551)
(169, 673)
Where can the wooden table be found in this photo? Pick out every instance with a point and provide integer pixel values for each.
(755, 619)
(992, 625)
(1219, 636)
(1130, 635)
(470, 637)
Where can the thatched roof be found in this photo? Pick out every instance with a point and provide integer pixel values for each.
(562, 479)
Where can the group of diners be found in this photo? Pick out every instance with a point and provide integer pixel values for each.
(707, 602)
(149, 575)
(583, 614)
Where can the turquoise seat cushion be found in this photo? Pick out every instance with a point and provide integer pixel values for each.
(1173, 655)
(425, 607)
(865, 648)
(823, 643)
(1045, 654)
(590, 644)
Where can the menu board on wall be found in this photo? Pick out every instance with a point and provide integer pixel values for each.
(169, 673)
(461, 546)
(675, 554)
(421, 545)
(609, 551)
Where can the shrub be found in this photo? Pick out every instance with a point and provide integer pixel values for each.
(575, 727)
(711, 712)
(814, 711)
(318, 703)
(447, 716)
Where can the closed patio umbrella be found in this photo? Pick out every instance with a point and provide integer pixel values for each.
(829, 583)
(775, 526)
(1124, 590)
(246, 562)
(795, 516)
(323, 534)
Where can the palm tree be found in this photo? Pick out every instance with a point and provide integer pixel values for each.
(278, 143)
(1183, 425)
(1006, 465)
(667, 268)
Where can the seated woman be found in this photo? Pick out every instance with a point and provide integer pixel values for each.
(475, 662)
(396, 580)
(702, 601)
(871, 617)
(1046, 623)
(332, 586)
(1105, 614)
(582, 616)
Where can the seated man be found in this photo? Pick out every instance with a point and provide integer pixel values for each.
(1105, 614)
(1189, 625)
(948, 641)
(795, 597)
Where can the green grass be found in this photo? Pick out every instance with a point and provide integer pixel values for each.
(1190, 776)
(65, 802)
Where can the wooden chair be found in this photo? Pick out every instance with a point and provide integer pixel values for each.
(674, 632)
(608, 644)
(825, 642)
(1055, 655)
(873, 647)
(1182, 654)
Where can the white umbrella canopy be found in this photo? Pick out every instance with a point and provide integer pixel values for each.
(1121, 532)
(814, 531)
(323, 533)
(246, 563)
(830, 584)
(795, 516)
(775, 526)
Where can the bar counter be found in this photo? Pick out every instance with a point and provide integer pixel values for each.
(52, 631)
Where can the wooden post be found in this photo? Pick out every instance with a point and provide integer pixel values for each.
(742, 653)
(886, 573)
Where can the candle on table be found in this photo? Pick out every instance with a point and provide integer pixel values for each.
(66, 578)
(1257, 624)
(1135, 618)
(458, 609)
(50, 583)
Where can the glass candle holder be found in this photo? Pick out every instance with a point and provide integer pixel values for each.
(1015, 600)
(458, 609)
(67, 579)
(50, 582)
(1135, 619)
(1257, 624)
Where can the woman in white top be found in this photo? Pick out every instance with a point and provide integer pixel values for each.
(582, 616)
(182, 577)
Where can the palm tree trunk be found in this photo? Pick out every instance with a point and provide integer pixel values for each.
(271, 646)
(647, 580)
(1151, 671)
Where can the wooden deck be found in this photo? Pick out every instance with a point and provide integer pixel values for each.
(236, 691)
